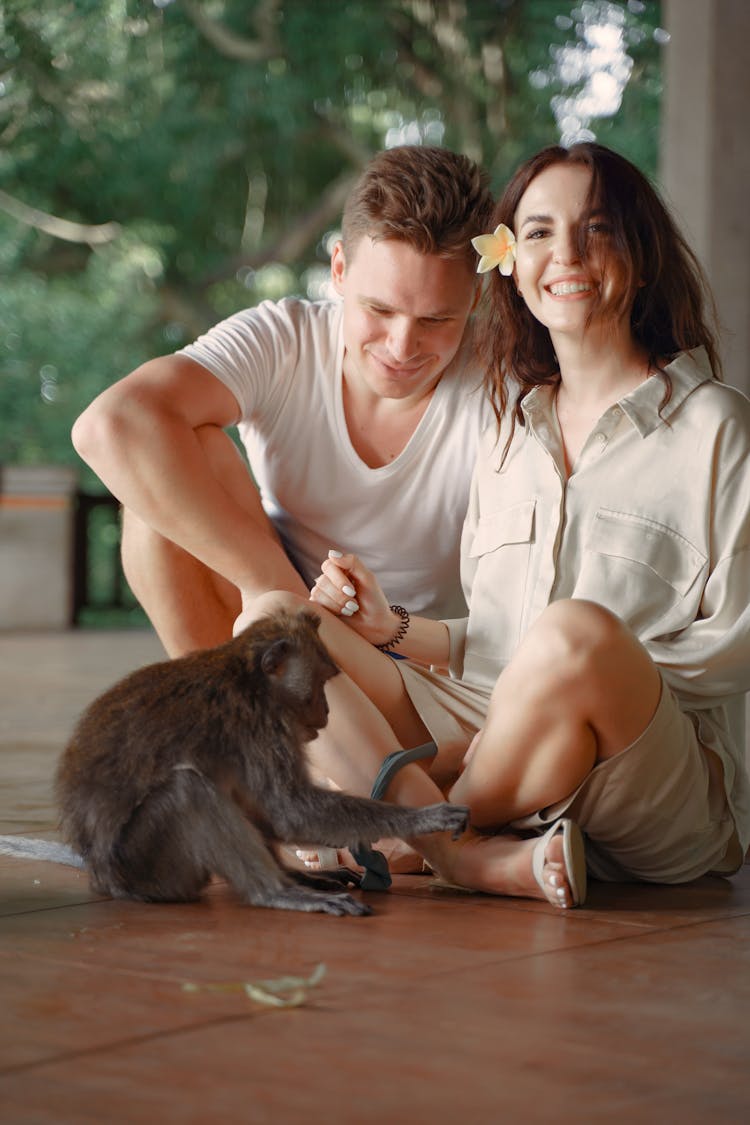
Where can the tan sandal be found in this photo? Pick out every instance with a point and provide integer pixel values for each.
(574, 859)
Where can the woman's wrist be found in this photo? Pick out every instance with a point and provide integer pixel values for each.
(401, 621)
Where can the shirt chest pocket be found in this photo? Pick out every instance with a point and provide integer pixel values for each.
(638, 568)
(499, 554)
(501, 529)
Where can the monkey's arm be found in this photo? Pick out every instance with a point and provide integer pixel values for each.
(321, 816)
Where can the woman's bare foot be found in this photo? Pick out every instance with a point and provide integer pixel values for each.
(505, 865)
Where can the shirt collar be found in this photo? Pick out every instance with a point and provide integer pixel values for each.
(641, 406)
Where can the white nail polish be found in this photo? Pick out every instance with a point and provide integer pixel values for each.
(349, 591)
(335, 554)
(346, 612)
(560, 892)
(352, 607)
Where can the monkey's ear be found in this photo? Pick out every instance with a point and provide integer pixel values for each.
(273, 660)
(312, 618)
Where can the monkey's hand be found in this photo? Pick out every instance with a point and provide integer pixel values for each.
(441, 818)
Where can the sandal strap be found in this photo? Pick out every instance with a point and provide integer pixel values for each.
(377, 877)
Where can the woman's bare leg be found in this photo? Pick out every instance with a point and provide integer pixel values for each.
(351, 750)
(360, 734)
(579, 689)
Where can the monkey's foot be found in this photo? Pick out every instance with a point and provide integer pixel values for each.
(297, 898)
(332, 879)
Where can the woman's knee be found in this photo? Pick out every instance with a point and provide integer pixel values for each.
(576, 640)
(583, 623)
(275, 601)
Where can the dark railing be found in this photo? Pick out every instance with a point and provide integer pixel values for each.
(99, 585)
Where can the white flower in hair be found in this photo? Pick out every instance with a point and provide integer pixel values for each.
(496, 249)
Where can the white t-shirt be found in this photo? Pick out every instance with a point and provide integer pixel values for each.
(283, 362)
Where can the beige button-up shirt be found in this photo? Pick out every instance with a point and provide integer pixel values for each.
(653, 523)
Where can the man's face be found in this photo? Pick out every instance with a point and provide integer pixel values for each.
(404, 316)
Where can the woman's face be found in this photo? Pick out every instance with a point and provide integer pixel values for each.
(558, 288)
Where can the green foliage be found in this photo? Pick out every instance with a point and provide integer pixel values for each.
(212, 132)
(62, 336)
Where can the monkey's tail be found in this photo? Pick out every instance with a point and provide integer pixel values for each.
(26, 847)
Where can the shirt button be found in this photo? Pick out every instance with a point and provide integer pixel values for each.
(600, 439)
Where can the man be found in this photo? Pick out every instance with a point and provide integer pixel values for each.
(360, 418)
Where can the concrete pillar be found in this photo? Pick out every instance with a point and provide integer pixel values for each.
(705, 155)
(36, 547)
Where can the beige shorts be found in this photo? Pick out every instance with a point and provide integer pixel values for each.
(656, 812)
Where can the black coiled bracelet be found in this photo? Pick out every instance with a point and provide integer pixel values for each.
(400, 632)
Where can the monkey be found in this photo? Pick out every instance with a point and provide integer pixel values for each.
(195, 767)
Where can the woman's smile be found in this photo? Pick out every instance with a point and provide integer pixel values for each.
(569, 288)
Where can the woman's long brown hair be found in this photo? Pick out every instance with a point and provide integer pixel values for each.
(663, 285)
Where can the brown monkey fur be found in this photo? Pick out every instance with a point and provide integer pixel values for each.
(195, 767)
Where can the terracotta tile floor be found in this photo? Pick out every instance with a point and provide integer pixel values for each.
(441, 1007)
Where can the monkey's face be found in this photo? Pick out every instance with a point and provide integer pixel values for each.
(298, 669)
(297, 666)
(305, 679)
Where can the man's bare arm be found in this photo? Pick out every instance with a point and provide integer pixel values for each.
(141, 436)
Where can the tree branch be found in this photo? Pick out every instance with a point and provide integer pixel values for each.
(230, 44)
(292, 243)
(58, 228)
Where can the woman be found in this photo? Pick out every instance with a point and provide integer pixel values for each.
(599, 677)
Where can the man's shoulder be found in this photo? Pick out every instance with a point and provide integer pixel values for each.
(266, 347)
(300, 312)
(287, 317)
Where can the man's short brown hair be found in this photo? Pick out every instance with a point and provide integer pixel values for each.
(434, 199)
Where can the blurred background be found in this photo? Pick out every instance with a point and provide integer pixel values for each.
(164, 163)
